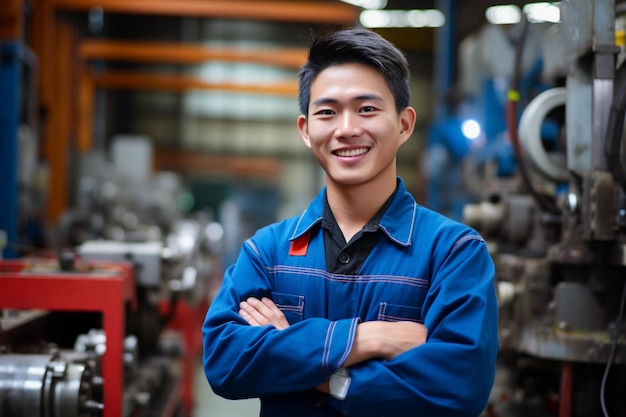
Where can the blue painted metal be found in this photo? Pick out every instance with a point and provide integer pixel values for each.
(12, 55)
(447, 147)
(445, 53)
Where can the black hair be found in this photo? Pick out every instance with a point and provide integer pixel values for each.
(360, 46)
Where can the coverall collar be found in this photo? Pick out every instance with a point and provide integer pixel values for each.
(396, 223)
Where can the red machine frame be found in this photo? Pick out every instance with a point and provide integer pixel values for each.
(188, 320)
(106, 290)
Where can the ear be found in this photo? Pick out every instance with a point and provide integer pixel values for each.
(303, 128)
(407, 123)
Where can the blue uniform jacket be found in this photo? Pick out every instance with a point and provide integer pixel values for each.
(426, 268)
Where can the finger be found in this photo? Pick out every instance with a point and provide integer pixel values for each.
(266, 310)
(269, 303)
(272, 308)
(256, 317)
(247, 317)
(270, 311)
(278, 317)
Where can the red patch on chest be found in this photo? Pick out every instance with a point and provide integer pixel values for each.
(300, 245)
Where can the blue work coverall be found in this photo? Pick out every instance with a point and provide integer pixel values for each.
(425, 268)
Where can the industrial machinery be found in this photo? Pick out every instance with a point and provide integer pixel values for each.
(109, 331)
(108, 324)
(46, 368)
(556, 228)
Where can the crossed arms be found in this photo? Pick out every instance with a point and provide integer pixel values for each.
(374, 339)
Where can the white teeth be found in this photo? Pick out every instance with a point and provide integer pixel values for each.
(352, 152)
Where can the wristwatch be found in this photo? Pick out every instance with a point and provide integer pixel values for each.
(339, 383)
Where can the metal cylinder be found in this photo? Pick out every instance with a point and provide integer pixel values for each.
(33, 385)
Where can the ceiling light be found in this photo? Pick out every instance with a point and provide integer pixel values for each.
(402, 18)
(426, 18)
(503, 15)
(543, 12)
(535, 12)
(375, 19)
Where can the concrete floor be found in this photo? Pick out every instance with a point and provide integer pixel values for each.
(207, 404)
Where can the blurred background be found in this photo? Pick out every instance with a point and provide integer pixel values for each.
(142, 141)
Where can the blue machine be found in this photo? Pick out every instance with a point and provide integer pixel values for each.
(459, 144)
(453, 157)
(15, 62)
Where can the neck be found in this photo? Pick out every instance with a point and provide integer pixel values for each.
(353, 206)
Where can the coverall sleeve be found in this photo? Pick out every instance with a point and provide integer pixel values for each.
(450, 375)
(243, 361)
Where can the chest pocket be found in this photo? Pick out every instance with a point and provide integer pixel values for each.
(291, 305)
(395, 312)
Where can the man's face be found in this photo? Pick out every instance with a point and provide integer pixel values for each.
(353, 127)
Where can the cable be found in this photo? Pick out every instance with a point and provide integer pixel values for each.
(616, 333)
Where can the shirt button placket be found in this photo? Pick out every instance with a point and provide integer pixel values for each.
(344, 258)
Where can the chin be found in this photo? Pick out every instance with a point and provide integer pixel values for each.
(348, 180)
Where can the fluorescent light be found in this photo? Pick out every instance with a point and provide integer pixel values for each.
(375, 19)
(503, 15)
(535, 12)
(426, 18)
(402, 18)
(543, 12)
(368, 4)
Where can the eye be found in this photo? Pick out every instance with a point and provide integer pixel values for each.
(367, 109)
(324, 112)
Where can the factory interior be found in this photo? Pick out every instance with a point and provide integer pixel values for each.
(142, 141)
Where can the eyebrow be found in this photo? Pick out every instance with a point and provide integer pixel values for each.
(362, 97)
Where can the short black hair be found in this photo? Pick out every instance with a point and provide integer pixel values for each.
(362, 46)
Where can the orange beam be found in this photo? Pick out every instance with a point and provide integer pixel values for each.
(57, 144)
(198, 163)
(188, 54)
(43, 35)
(86, 109)
(147, 81)
(11, 20)
(286, 11)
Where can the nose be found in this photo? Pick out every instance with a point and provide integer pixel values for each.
(348, 126)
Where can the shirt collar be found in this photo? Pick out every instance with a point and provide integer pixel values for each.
(396, 223)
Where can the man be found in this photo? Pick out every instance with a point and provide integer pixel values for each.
(366, 304)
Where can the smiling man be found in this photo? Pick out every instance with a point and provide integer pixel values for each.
(366, 304)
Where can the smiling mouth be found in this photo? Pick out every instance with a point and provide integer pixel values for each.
(351, 152)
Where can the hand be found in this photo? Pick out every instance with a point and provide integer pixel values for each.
(385, 340)
(262, 312)
(401, 336)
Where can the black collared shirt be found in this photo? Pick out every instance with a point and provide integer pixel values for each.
(347, 257)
